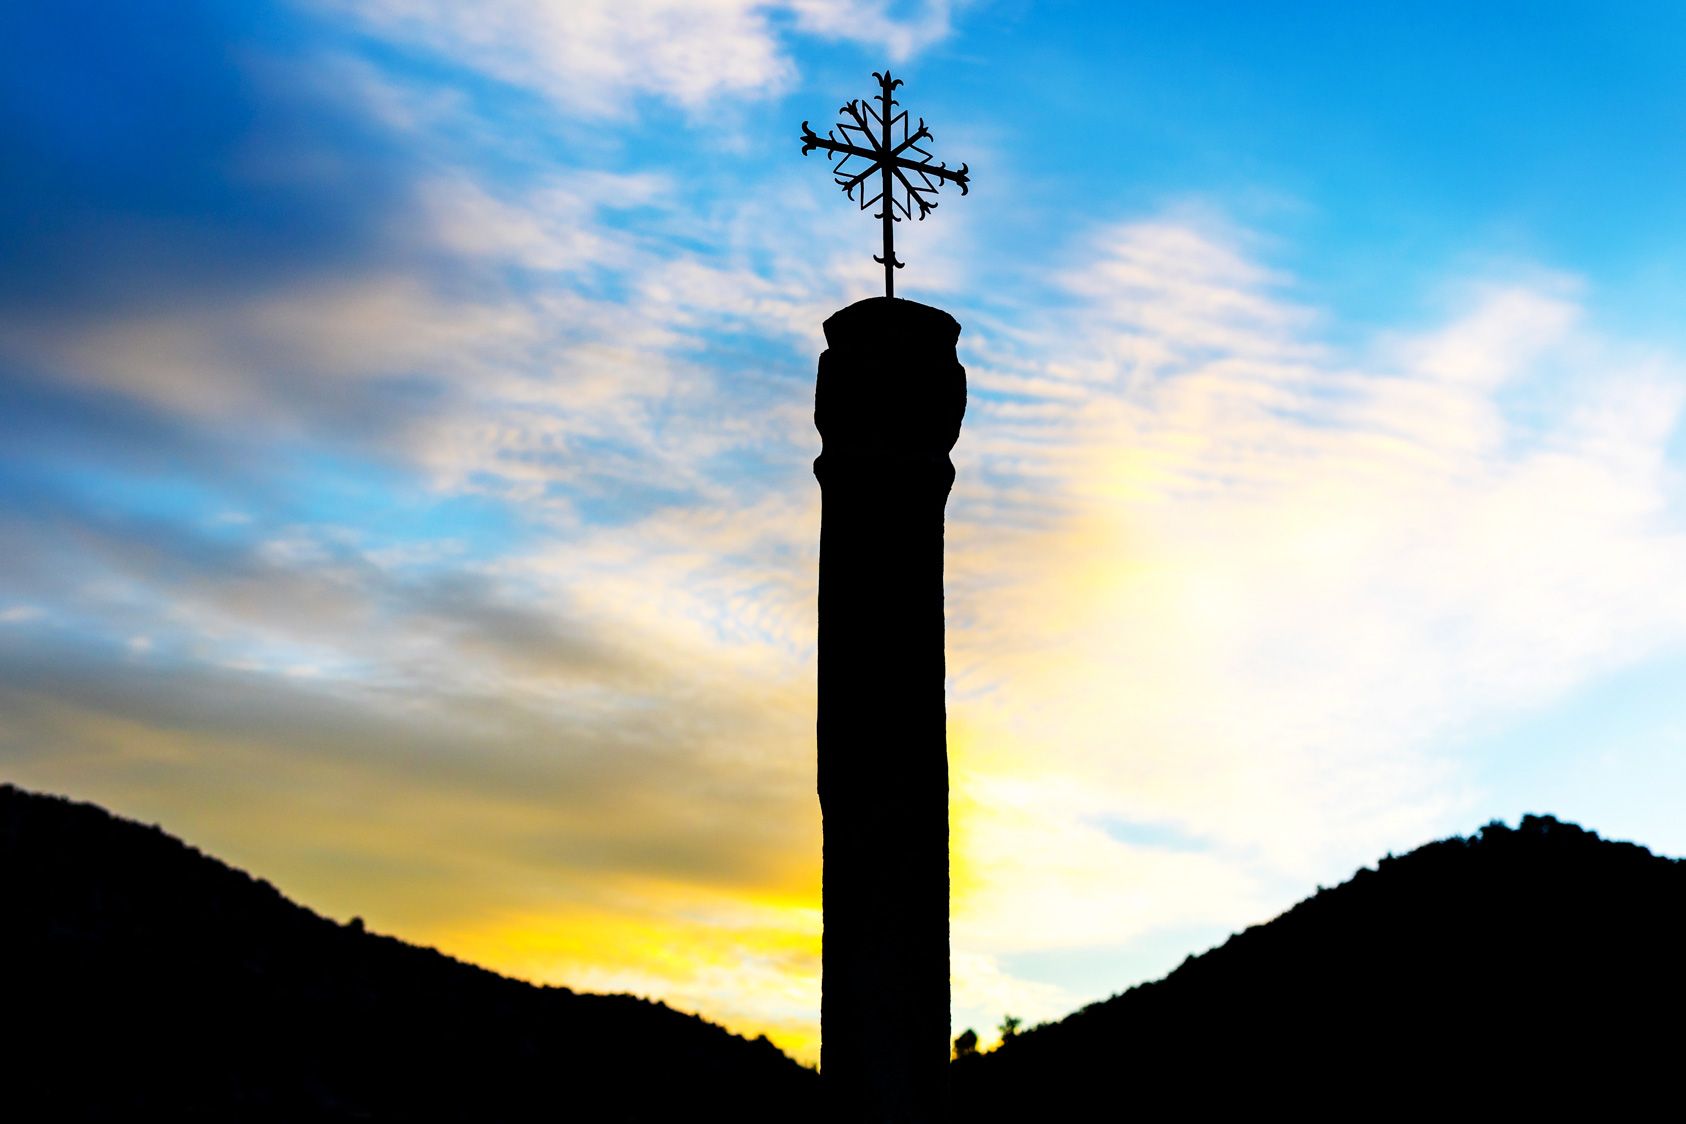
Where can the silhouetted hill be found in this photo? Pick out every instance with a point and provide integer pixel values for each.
(1538, 967)
(141, 979)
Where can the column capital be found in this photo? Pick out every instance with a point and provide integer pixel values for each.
(890, 383)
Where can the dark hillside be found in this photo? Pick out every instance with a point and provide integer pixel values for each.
(144, 977)
(1534, 968)
(1539, 966)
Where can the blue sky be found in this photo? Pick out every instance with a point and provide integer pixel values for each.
(405, 442)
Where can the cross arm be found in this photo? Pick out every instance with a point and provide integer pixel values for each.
(853, 109)
(915, 194)
(958, 175)
(922, 133)
(849, 185)
(812, 140)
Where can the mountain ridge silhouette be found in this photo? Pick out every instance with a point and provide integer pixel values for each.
(1539, 966)
(153, 979)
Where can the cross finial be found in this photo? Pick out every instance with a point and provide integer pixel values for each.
(867, 136)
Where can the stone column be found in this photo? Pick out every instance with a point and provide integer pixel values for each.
(888, 406)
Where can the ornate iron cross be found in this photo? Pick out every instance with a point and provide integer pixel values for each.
(868, 137)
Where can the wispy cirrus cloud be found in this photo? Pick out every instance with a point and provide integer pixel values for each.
(594, 56)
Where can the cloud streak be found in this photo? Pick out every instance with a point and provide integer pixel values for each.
(595, 56)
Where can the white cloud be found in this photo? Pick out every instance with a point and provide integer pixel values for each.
(553, 227)
(592, 56)
(1506, 331)
(870, 23)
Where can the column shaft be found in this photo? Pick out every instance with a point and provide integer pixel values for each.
(888, 405)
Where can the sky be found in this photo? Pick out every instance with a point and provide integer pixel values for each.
(406, 442)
